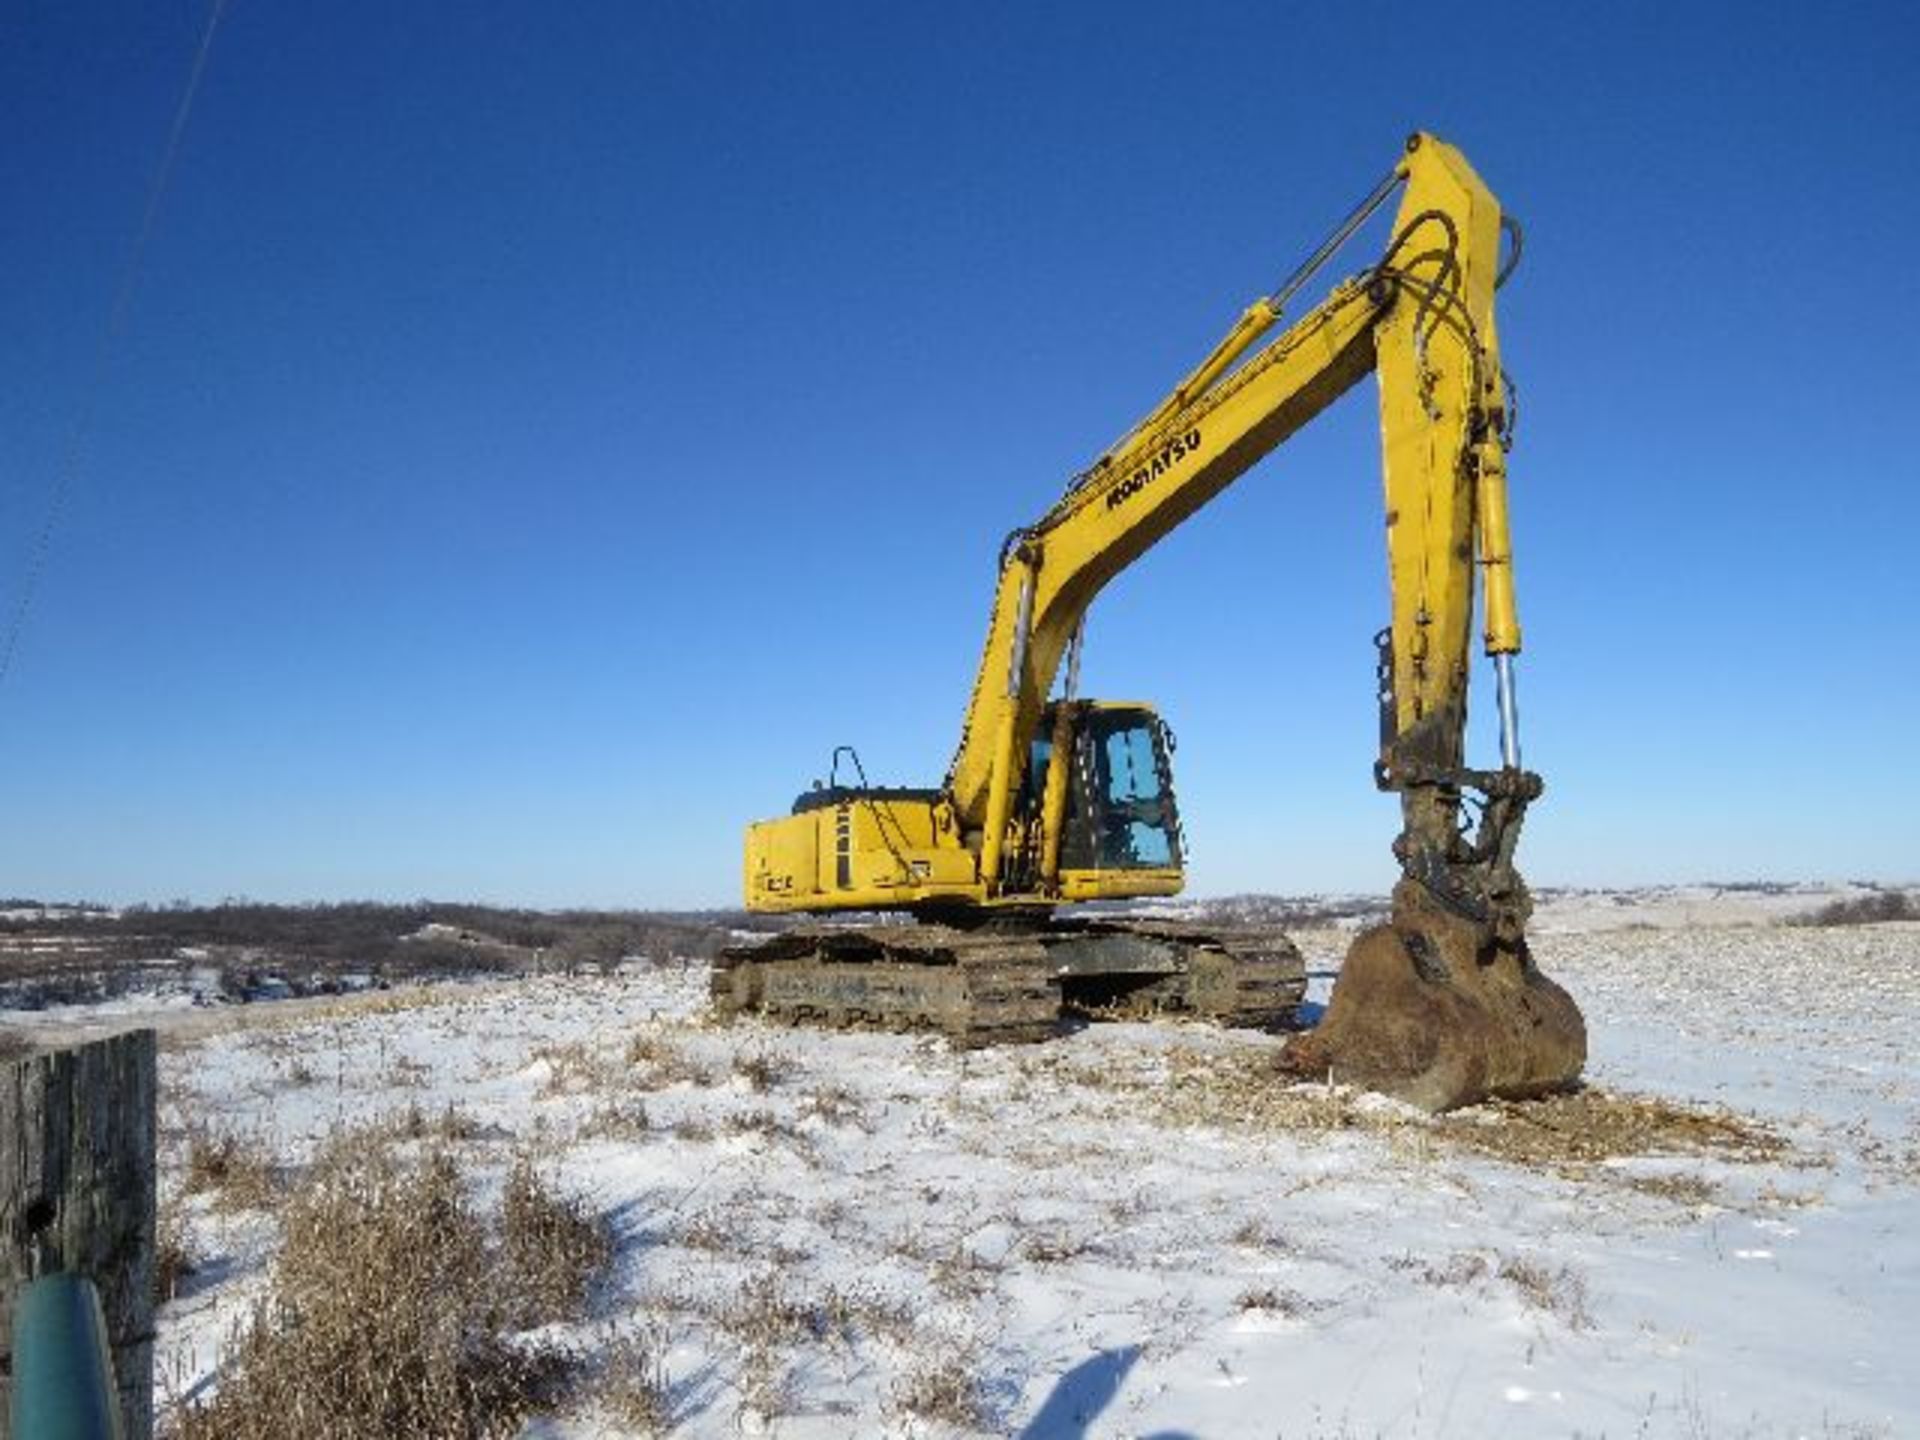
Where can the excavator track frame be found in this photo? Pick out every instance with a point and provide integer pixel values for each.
(1012, 983)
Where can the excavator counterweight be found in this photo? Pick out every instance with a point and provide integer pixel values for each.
(1053, 800)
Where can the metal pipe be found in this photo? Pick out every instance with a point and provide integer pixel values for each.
(1000, 778)
(1254, 322)
(63, 1386)
(1053, 800)
(1509, 711)
(1022, 625)
(1342, 233)
(1078, 639)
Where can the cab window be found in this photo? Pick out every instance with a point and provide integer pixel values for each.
(1135, 829)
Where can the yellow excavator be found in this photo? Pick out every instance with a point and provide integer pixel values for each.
(1053, 801)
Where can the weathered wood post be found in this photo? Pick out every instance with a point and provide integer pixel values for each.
(77, 1194)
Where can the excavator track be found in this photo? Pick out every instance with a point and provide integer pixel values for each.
(996, 985)
(1244, 976)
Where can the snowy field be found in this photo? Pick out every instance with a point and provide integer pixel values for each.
(1135, 1231)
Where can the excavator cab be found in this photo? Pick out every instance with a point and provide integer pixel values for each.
(1104, 827)
(1119, 811)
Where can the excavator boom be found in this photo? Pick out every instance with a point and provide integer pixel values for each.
(1422, 320)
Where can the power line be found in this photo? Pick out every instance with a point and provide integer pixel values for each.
(78, 437)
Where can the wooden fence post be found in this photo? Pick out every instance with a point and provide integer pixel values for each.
(77, 1193)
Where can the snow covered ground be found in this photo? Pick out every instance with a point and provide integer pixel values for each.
(1135, 1231)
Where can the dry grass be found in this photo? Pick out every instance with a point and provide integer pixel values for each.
(764, 1122)
(1246, 1091)
(1254, 1233)
(633, 1390)
(763, 1070)
(299, 1074)
(765, 1386)
(451, 1125)
(770, 1322)
(943, 1390)
(384, 1314)
(1692, 1192)
(834, 1104)
(857, 1310)
(1592, 1126)
(767, 1320)
(662, 1060)
(1889, 1160)
(1270, 1300)
(650, 1047)
(963, 1274)
(174, 1258)
(763, 1314)
(1569, 1134)
(1057, 1247)
(952, 1267)
(712, 1232)
(1556, 1290)
(1772, 1197)
(551, 1246)
(237, 1172)
(1459, 1270)
(618, 1119)
(406, 1073)
(576, 1068)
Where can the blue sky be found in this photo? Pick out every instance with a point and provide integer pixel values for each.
(542, 432)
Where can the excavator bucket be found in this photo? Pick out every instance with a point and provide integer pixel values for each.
(1439, 1011)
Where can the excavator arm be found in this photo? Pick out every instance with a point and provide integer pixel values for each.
(1422, 320)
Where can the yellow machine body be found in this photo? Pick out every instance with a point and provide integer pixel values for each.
(860, 848)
